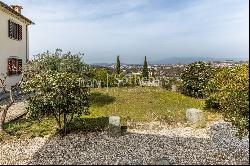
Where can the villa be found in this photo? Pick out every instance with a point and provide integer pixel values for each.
(14, 42)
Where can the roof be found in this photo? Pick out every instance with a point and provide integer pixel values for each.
(14, 12)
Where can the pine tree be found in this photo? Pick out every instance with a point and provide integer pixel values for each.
(118, 65)
(145, 68)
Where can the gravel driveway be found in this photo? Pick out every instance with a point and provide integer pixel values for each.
(214, 145)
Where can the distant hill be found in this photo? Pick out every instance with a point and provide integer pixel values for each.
(177, 60)
(100, 64)
(104, 64)
(187, 60)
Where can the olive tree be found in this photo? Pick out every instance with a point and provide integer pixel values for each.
(56, 87)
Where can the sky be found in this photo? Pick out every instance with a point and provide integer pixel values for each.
(158, 29)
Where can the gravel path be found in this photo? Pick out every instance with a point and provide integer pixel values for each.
(214, 145)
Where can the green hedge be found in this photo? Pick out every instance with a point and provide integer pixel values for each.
(168, 82)
(194, 79)
(228, 91)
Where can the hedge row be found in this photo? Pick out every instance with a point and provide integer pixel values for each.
(225, 89)
(228, 91)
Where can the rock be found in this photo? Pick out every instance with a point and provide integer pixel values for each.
(114, 120)
(114, 125)
(99, 84)
(196, 117)
(174, 88)
(124, 130)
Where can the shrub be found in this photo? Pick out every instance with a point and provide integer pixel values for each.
(54, 82)
(229, 91)
(134, 80)
(168, 82)
(100, 74)
(194, 79)
(105, 77)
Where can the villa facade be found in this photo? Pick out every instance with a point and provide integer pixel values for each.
(14, 42)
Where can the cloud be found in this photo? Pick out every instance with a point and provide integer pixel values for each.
(138, 28)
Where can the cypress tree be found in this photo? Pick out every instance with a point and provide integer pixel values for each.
(153, 72)
(118, 65)
(145, 68)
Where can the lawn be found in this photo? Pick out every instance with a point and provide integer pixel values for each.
(144, 104)
(140, 104)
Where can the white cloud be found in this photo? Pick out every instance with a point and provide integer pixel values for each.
(135, 28)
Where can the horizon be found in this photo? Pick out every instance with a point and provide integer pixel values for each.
(134, 29)
(188, 59)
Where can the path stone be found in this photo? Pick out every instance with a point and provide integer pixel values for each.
(196, 117)
(114, 125)
(174, 88)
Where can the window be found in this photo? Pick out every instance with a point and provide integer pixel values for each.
(15, 31)
(14, 66)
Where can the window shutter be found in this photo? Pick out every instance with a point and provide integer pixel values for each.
(9, 28)
(9, 67)
(19, 66)
(15, 31)
(20, 36)
(14, 66)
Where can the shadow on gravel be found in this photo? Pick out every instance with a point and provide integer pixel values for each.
(133, 148)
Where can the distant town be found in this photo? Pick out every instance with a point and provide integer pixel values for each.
(164, 70)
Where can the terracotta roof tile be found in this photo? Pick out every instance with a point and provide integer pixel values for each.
(14, 12)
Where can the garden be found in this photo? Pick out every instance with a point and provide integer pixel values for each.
(59, 104)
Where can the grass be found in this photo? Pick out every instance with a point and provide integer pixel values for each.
(30, 128)
(144, 104)
(139, 104)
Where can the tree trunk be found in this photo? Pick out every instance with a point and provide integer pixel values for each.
(57, 120)
(5, 90)
(4, 113)
(2, 119)
(65, 124)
